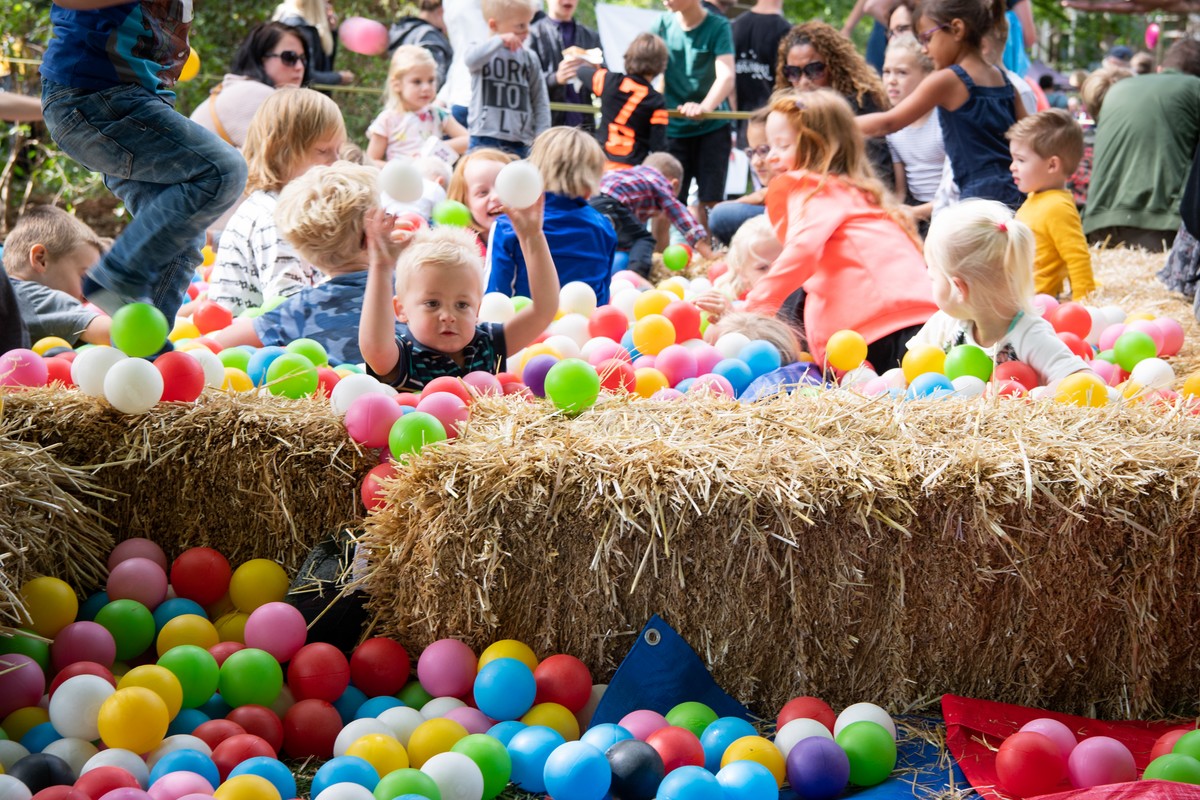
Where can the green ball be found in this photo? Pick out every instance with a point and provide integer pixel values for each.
(572, 385)
(520, 301)
(353, 368)
(407, 781)
(250, 677)
(311, 349)
(236, 357)
(1173, 767)
(451, 213)
(131, 625)
(274, 303)
(1107, 355)
(412, 432)
(139, 330)
(871, 750)
(292, 375)
(491, 757)
(967, 359)
(26, 643)
(413, 695)
(197, 671)
(1133, 347)
(676, 258)
(693, 716)
(1188, 745)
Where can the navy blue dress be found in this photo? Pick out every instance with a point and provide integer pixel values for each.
(975, 143)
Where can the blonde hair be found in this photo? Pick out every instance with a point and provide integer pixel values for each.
(285, 126)
(742, 248)
(571, 161)
(1053, 132)
(768, 329)
(499, 9)
(406, 58)
(444, 248)
(907, 43)
(982, 244)
(1096, 86)
(312, 12)
(321, 212)
(52, 228)
(458, 189)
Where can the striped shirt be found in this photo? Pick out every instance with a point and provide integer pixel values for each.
(920, 149)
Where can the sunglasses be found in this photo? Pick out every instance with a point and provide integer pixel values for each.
(813, 70)
(758, 152)
(290, 58)
(927, 37)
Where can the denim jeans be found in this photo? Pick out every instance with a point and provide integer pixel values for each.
(516, 148)
(174, 176)
(725, 218)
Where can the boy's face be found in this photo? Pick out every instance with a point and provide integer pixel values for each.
(515, 22)
(322, 153)
(66, 272)
(681, 5)
(440, 305)
(1033, 173)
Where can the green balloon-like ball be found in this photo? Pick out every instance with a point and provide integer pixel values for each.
(273, 303)
(236, 357)
(407, 781)
(292, 375)
(139, 330)
(196, 670)
(491, 757)
(573, 385)
(1133, 347)
(311, 349)
(452, 213)
(693, 716)
(1173, 767)
(1188, 745)
(413, 695)
(520, 301)
(871, 750)
(27, 643)
(131, 625)
(1106, 355)
(967, 359)
(676, 258)
(254, 678)
(412, 432)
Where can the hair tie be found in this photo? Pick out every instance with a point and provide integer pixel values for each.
(1002, 227)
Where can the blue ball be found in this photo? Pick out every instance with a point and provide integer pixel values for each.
(818, 769)
(717, 737)
(627, 343)
(90, 607)
(747, 780)
(761, 357)
(37, 737)
(272, 769)
(736, 372)
(505, 689)
(620, 261)
(215, 707)
(187, 761)
(186, 721)
(344, 769)
(348, 704)
(529, 750)
(929, 385)
(690, 783)
(260, 362)
(176, 607)
(504, 731)
(376, 706)
(684, 385)
(577, 770)
(605, 735)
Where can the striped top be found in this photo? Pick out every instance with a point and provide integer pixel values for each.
(920, 149)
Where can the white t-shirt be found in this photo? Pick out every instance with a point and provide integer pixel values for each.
(407, 131)
(465, 27)
(920, 149)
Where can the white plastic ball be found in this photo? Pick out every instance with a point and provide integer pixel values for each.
(440, 707)
(346, 791)
(401, 180)
(590, 346)
(858, 376)
(355, 730)
(181, 741)
(796, 730)
(695, 344)
(1114, 314)
(519, 184)
(584, 715)
(1114, 394)
(1099, 323)
(13, 789)
(513, 363)
(619, 285)
(1153, 373)
(625, 300)
(10, 753)
(860, 712)
(894, 378)
(1041, 393)
(133, 386)
(127, 760)
(350, 388)
(967, 386)
(572, 325)
(730, 344)
(496, 307)
(75, 706)
(457, 776)
(89, 368)
(565, 346)
(402, 721)
(75, 752)
(214, 370)
(577, 298)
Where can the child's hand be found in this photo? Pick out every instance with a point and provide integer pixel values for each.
(716, 304)
(704, 249)
(385, 237)
(512, 41)
(691, 110)
(567, 69)
(527, 222)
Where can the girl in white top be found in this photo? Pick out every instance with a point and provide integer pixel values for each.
(410, 125)
(981, 263)
(918, 154)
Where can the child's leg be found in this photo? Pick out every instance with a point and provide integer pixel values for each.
(712, 166)
(174, 177)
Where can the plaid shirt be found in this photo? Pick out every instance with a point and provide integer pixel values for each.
(645, 192)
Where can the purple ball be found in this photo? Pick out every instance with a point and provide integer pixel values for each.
(818, 769)
(83, 641)
(535, 371)
(22, 683)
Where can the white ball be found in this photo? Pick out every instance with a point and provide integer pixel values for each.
(13, 789)
(1153, 373)
(573, 325)
(403, 721)
(589, 708)
(894, 378)
(564, 345)
(626, 300)
(519, 184)
(133, 386)
(355, 730)
(1114, 314)
(590, 346)
(350, 388)
(89, 368)
(619, 285)
(440, 706)
(577, 298)
(731, 344)
(214, 370)
(796, 730)
(1041, 393)
(857, 376)
(457, 776)
(695, 344)
(967, 386)
(513, 363)
(496, 307)
(699, 285)
(346, 791)
(75, 752)
(75, 706)
(1099, 323)
(1114, 394)
(180, 741)
(10, 753)
(860, 712)
(127, 760)
(400, 180)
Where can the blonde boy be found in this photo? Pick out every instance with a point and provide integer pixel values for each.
(1046, 148)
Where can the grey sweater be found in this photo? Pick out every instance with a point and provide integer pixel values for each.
(508, 93)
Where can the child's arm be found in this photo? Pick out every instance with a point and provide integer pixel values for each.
(377, 148)
(901, 180)
(941, 89)
(458, 134)
(240, 332)
(682, 219)
(97, 331)
(811, 223)
(478, 54)
(543, 278)
(721, 88)
(1072, 247)
(377, 326)
(18, 108)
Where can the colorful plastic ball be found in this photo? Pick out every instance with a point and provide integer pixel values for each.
(134, 719)
(505, 689)
(319, 671)
(577, 770)
(446, 668)
(929, 385)
(643, 722)
(39, 737)
(490, 757)
(238, 748)
(451, 213)
(402, 721)
(133, 386)
(1152, 374)
(83, 641)
(747, 780)
(29, 644)
(1059, 733)
(653, 333)
(818, 769)
(276, 628)
(712, 384)
(139, 330)
(182, 375)
(272, 770)
(529, 749)
(159, 680)
(1173, 336)
(921, 359)
(344, 769)
(636, 768)
(736, 372)
(1187, 743)
(92, 605)
(676, 258)
(1017, 371)
(1082, 389)
(371, 490)
(432, 737)
(89, 369)
(187, 629)
(412, 432)
(40, 771)
(686, 319)
(223, 650)
(535, 370)
(508, 648)
(761, 357)
(563, 679)
(256, 583)
(441, 706)
(379, 666)
(186, 721)
(50, 603)
(176, 785)
(572, 385)
(690, 783)
(678, 747)
(677, 363)
(124, 759)
(382, 751)
(846, 350)
(138, 579)
(798, 730)
(617, 375)
(504, 731)
(310, 728)
(22, 683)
(215, 708)
(97, 782)
(407, 783)
(58, 370)
(968, 359)
(247, 787)
(860, 712)
(186, 760)
(692, 716)
(231, 626)
(1173, 767)
(10, 753)
(174, 607)
(871, 749)
(456, 775)
(608, 321)
(718, 735)
(1133, 347)
(291, 375)
(554, 716)
(311, 349)
(259, 721)
(250, 677)
(760, 750)
(370, 418)
(447, 408)
(1029, 763)
(1071, 318)
(1098, 761)
(21, 721)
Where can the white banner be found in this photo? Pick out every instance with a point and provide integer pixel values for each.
(618, 26)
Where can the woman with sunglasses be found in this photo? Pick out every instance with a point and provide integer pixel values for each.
(814, 55)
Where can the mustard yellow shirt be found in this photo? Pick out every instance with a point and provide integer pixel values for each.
(1062, 251)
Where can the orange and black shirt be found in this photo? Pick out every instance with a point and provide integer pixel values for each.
(633, 114)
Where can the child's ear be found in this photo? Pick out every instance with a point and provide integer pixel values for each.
(37, 257)
(492, 25)
(959, 289)
(399, 310)
(1054, 164)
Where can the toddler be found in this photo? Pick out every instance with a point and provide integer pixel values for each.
(474, 185)
(918, 155)
(751, 253)
(650, 189)
(793, 374)
(633, 114)
(410, 122)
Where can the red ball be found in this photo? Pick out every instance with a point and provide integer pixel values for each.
(408, 399)
(678, 747)
(259, 721)
(236, 749)
(1029, 764)
(372, 495)
(210, 344)
(1009, 389)
(1071, 318)
(717, 269)
(617, 375)
(448, 383)
(223, 650)
(1017, 371)
(183, 377)
(310, 728)
(608, 321)
(201, 574)
(1077, 346)
(326, 380)
(210, 317)
(193, 291)
(518, 388)
(806, 708)
(318, 671)
(380, 666)
(216, 731)
(507, 377)
(97, 782)
(61, 793)
(565, 680)
(686, 319)
(58, 369)
(81, 668)
(1166, 743)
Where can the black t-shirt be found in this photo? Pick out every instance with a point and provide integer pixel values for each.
(633, 114)
(13, 333)
(756, 51)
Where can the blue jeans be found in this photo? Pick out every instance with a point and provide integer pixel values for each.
(516, 148)
(174, 176)
(725, 219)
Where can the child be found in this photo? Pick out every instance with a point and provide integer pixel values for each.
(981, 262)
(47, 254)
(474, 185)
(1046, 149)
(293, 130)
(322, 214)
(844, 241)
(727, 218)
(976, 103)
(633, 114)
(581, 239)
(650, 189)
(918, 154)
(509, 104)
(435, 178)
(793, 374)
(438, 291)
(106, 95)
(410, 120)
(751, 253)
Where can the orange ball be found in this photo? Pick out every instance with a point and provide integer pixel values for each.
(652, 334)
(648, 380)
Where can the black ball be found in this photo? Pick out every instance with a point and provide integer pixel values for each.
(637, 770)
(41, 771)
(56, 351)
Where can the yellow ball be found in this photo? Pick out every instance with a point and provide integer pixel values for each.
(133, 718)
(652, 302)
(159, 680)
(237, 381)
(922, 358)
(23, 720)
(1139, 315)
(648, 380)
(555, 716)
(191, 67)
(652, 334)
(384, 753)
(508, 648)
(48, 342)
(431, 737)
(1082, 389)
(759, 750)
(675, 286)
(539, 349)
(187, 629)
(256, 583)
(231, 627)
(51, 604)
(846, 350)
(220, 608)
(184, 329)
(1191, 385)
(247, 787)
(210, 257)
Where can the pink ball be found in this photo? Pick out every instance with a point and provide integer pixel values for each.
(474, 720)
(1109, 373)
(448, 408)
(483, 383)
(175, 785)
(370, 418)
(1100, 760)
(196, 796)
(137, 548)
(874, 387)
(644, 362)
(707, 357)
(603, 351)
(446, 668)
(278, 628)
(1150, 328)
(83, 641)
(1047, 303)
(667, 394)
(643, 722)
(22, 367)
(1172, 333)
(1109, 336)
(677, 363)
(125, 793)
(22, 683)
(138, 579)
(363, 36)
(711, 383)
(1054, 730)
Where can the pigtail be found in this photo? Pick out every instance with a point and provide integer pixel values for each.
(1019, 251)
